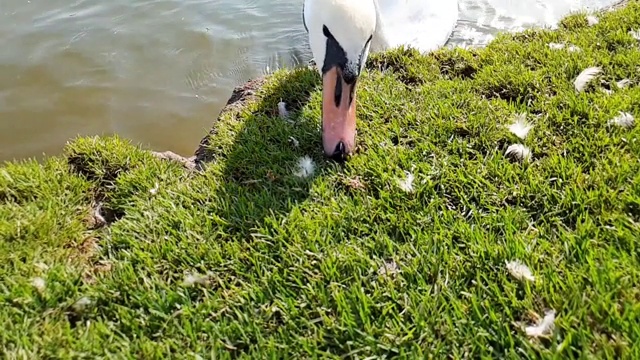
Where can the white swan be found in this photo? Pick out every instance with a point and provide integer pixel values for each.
(341, 35)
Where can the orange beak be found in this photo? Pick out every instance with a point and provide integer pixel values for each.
(338, 115)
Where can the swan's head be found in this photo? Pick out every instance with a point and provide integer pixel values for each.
(340, 34)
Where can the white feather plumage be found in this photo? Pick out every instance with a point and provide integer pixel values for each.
(389, 268)
(306, 167)
(520, 271)
(585, 77)
(39, 284)
(544, 327)
(592, 20)
(573, 48)
(623, 83)
(192, 279)
(519, 151)
(560, 46)
(82, 304)
(406, 184)
(624, 120)
(520, 127)
(282, 110)
(41, 266)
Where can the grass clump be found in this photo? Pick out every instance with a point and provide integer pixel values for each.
(408, 250)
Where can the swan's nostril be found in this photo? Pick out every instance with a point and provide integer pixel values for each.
(340, 153)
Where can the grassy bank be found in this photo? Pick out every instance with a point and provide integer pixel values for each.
(110, 251)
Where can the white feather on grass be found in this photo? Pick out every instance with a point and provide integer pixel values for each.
(389, 268)
(39, 284)
(306, 167)
(192, 279)
(155, 189)
(560, 46)
(592, 20)
(585, 77)
(520, 126)
(606, 91)
(406, 184)
(573, 48)
(82, 304)
(544, 327)
(519, 152)
(623, 120)
(282, 110)
(623, 83)
(635, 34)
(97, 215)
(556, 46)
(294, 141)
(520, 271)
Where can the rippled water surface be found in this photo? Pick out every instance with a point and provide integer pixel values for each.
(159, 71)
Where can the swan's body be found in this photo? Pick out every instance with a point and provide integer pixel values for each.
(341, 35)
(422, 24)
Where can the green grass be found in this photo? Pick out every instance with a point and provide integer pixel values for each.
(293, 263)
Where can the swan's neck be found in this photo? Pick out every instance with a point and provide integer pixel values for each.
(380, 40)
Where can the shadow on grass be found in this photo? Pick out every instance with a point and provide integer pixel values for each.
(259, 151)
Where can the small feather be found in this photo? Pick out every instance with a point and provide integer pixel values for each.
(573, 48)
(41, 266)
(82, 304)
(592, 20)
(519, 151)
(97, 215)
(544, 327)
(623, 83)
(282, 110)
(306, 167)
(520, 126)
(389, 268)
(635, 34)
(520, 271)
(406, 184)
(560, 46)
(624, 120)
(39, 284)
(192, 279)
(585, 77)
(556, 46)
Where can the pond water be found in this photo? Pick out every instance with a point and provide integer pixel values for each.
(159, 71)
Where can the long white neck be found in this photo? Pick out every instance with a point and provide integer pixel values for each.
(380, 41)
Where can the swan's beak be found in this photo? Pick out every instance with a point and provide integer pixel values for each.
(338, 115)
